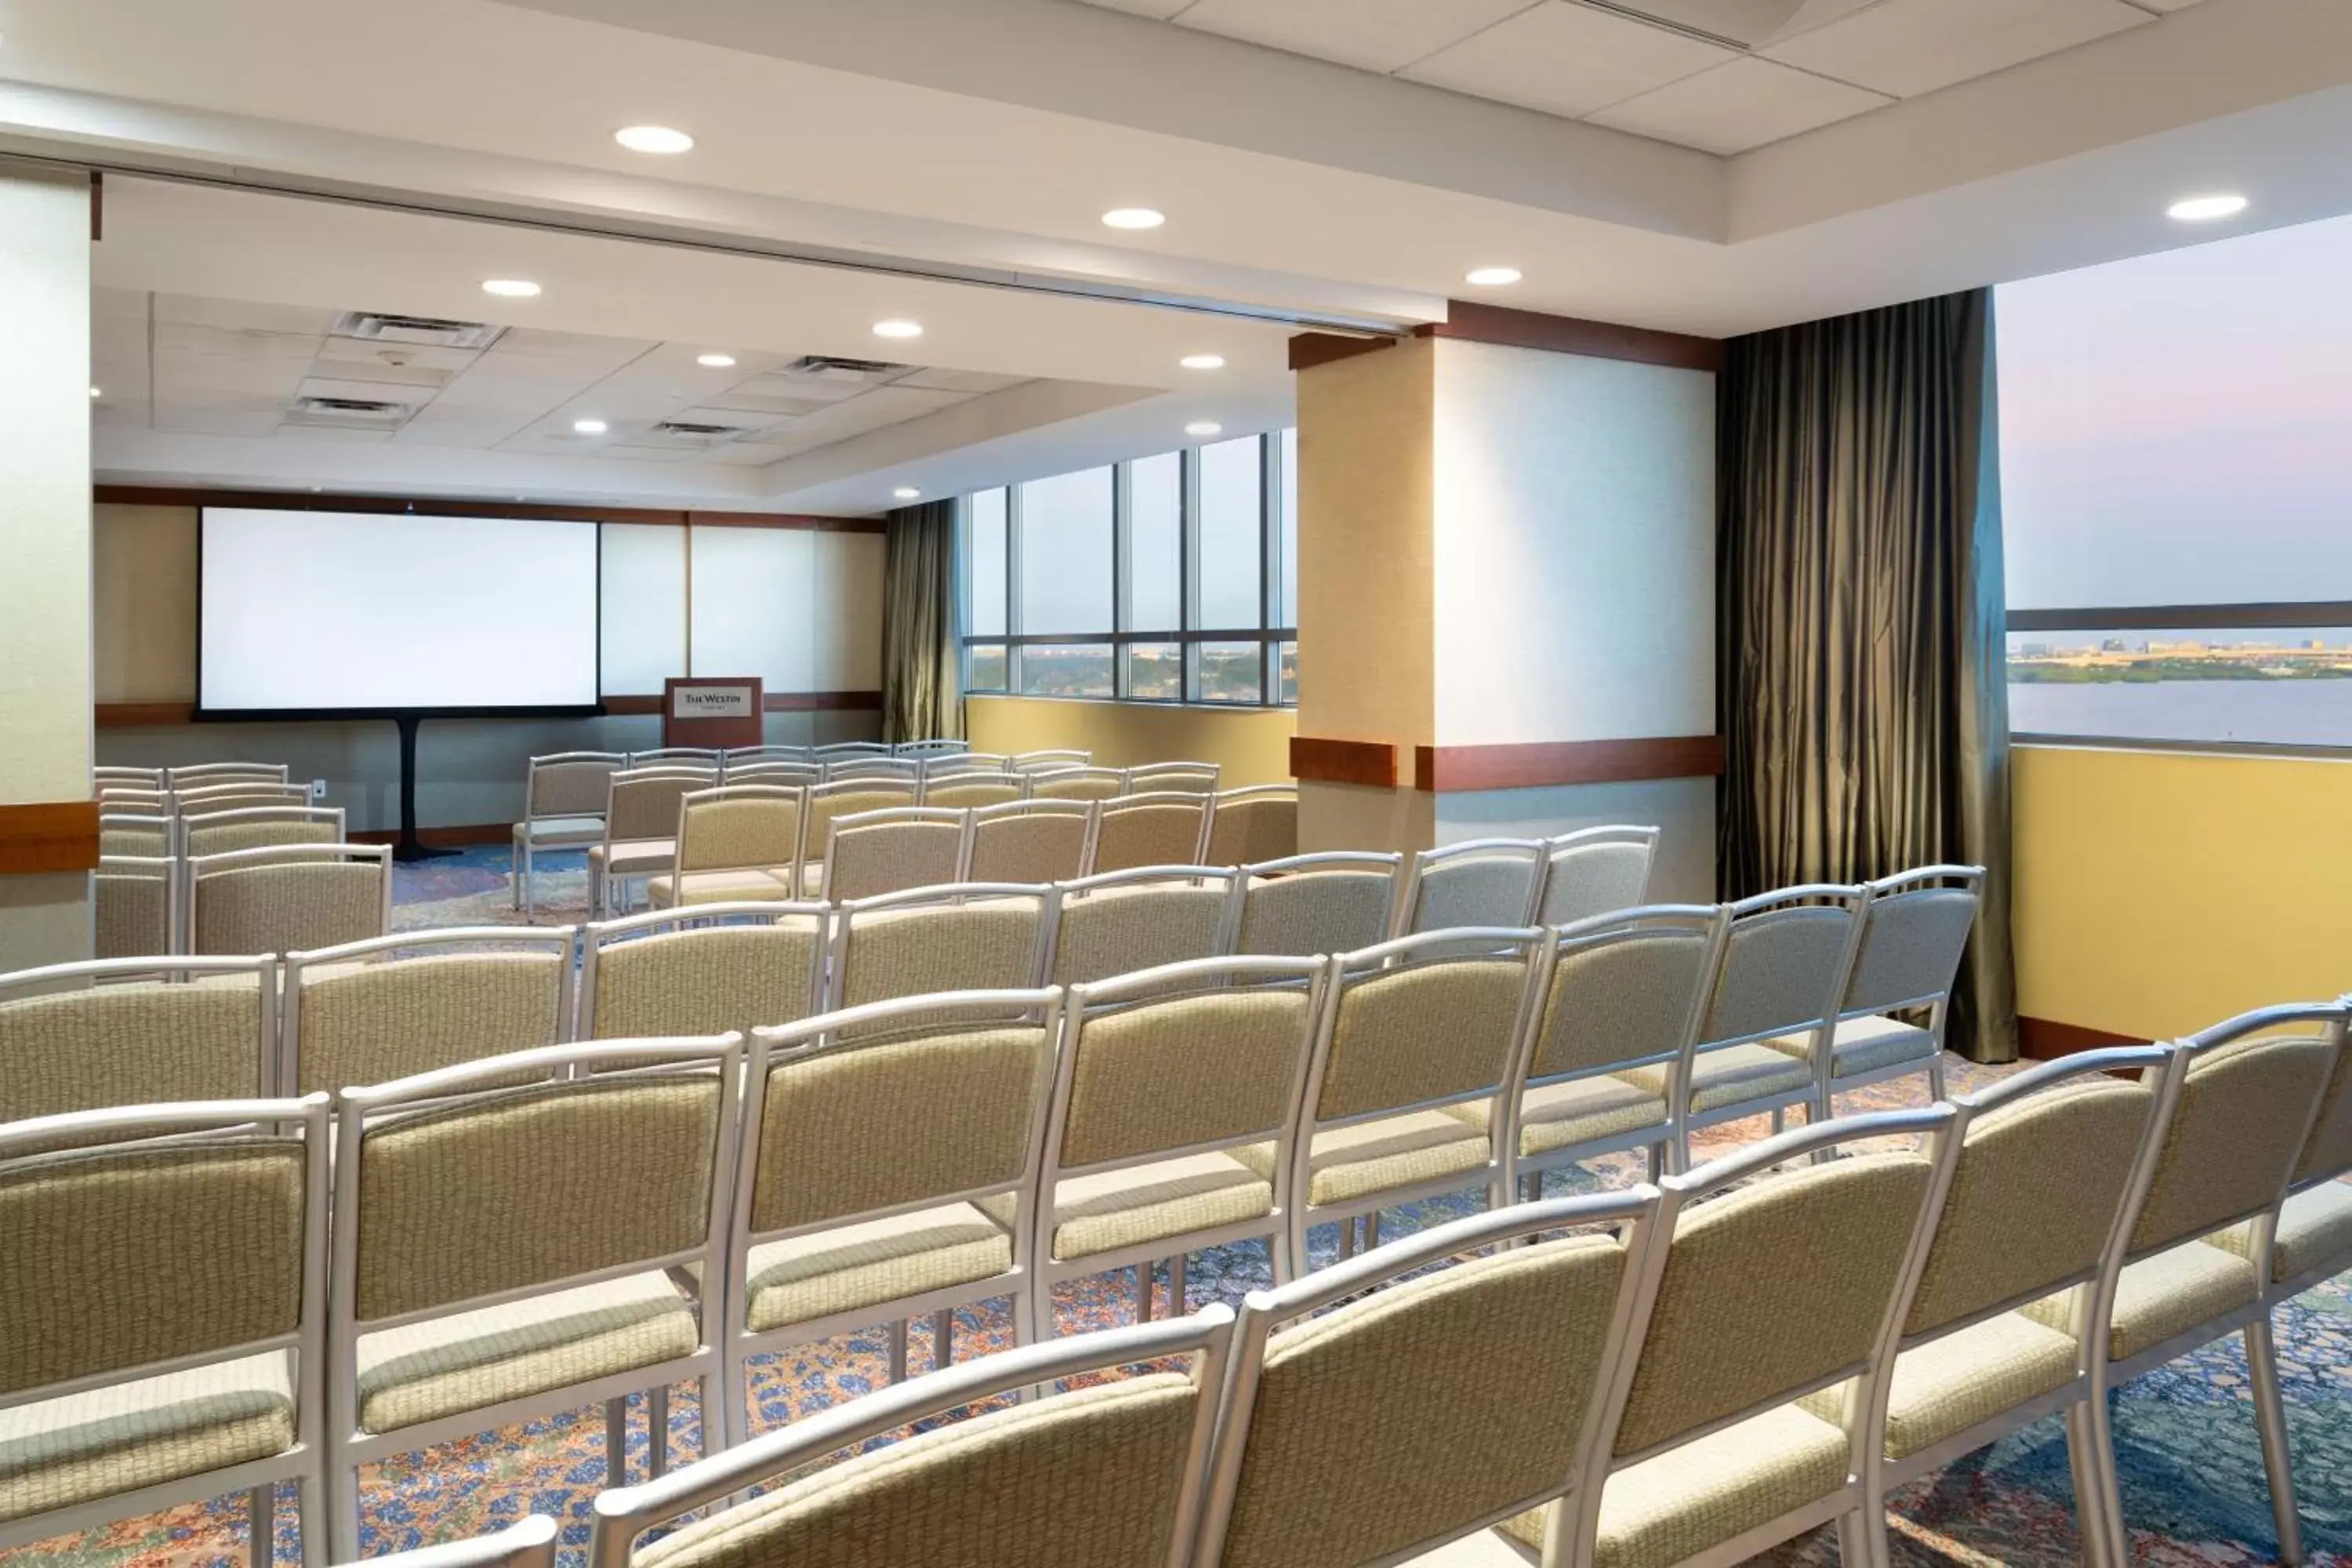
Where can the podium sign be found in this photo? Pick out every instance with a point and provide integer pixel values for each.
(712, 711)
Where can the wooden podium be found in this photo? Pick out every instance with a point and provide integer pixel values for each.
(718, 710)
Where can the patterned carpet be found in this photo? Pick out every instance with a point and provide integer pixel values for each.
(2193, 1488)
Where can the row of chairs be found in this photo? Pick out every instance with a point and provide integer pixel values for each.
(1684, 1373)
(295, 885)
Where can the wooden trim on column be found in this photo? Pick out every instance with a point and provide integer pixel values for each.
(1308, 350)
(1314, 760)
(48, 835)
(821, 701)
(132, 715)
(2046, 1039)
(287, 501)
(1480, 323)
(1459, 769)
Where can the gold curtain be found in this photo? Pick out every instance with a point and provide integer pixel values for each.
(923, 697)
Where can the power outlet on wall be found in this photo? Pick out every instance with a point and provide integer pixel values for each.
(318, 789)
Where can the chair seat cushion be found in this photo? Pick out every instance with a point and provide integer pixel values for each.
(1965, 1379)
(1108, 1210)
(1710, 1489)
(720, 887)
(804, 1278)
(1864, 1045)
(635, 856)
(470, 1361)
(2315, 1231)
(2165, 1295)
(1578, 1110)
(60, 1452)
(1733, 1075)
(1372, 1157)
(560, 830)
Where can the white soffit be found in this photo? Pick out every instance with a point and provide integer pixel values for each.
(1372, 35)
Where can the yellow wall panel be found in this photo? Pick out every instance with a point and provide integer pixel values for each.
(1249, 745)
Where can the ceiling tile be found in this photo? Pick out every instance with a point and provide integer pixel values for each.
(1738, 106)
(358, 351)
(1567, 59)
(331, 433)
(2166, 4)
(1162, 9)
(180, 339)
(614, 352)
(236, 315)
(974, 381)
(363, 390)
(226, 416)
(1374, 34)
(1911, 46)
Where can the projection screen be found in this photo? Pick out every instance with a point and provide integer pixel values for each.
(337, 614)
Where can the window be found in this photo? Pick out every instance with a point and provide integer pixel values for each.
(1169, 578)
(2174, 479)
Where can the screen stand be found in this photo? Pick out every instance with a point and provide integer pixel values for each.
(410, 847)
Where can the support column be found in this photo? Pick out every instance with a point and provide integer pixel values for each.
(48, 820)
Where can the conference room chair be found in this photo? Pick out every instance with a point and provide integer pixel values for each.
(2313, 1240)
(790, 775)
(132, 900)
(1331, 901)
(236, 796)
(929, 749)
(1162, 1077)
(1172, 778)
(962, 789)
(840, 750)
(1381, 1409)
(964, 760)
(564, 796)
(846, 797)
(129, 801)
(1106, 1474)
(527, 1544)
(889, 1170)
(1029, 841)
(1478, 882)
(1409, 1028)
(1620, 993)
(1051, 760)
(127, 1389)
(640, 839)
(202, 775)
(503, 1251)
(1792, 1283)
(110, 775)
(1162, 828)
(1255, 824)
(1913, 928)
(891, 851)
(2050, 1170)
(734, 843)
(142, 834)
(1117, 923)
(2245, 1105)
(1076, 782)
(254, 827)
(702, 971)
(734, 757)
(1595, 871)
(393, 1007)
(965, 936)
(133, 1031)
(709, 757)
(286, 895)
(857, 767)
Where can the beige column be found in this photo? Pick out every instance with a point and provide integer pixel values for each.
(48, 841)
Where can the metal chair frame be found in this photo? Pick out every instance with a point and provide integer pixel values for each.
(520, 851)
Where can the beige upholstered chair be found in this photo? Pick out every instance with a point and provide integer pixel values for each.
(1106, 1476)
(735, 843)
(846, 797)
(1121, 922)
(1409, 1029)
(1160, 829)
(108, 775)
(125, 1387)
(734, 757)
(1478, 882)
(142, 835)
(944, 759)
(962, 789)
(703, 971)
(2245, 1106)
(1163, 1075)
(1172, 778)
(1334, 1449)
(640, 840)
(709, 759)
(564, 796)
(393, 1007)
(132, 899)
(966, 936)
(285, 897)
(134, 1031)
(1050, 761)
(1076, 782)
(889, 1170)
(127, 800)
(892, 851)
(206, 775)
(788, 775)
(1332, 901)
(933, 750)
(1621, 995)
(195, 802)
(530, 1545)
(1597, 871)
(1259, 823)
(1914, 928)
(196, 833)
(504, 1250)
(849, 750)
(1030, 841)
(900, 771)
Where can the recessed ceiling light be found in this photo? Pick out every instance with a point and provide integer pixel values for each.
(2208, 208)
(716, 362)
(94, 392)
(510, 287)
(589, 426)
(898, 328)
(1134, 218)
(1491, 276)
(1204, 428)
(658, 138)
(905, 492)
(1202, 362)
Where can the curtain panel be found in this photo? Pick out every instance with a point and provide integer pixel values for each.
(922, 698)
(1863, 702)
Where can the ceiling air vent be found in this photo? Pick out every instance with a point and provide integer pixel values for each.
(349, 413)
(430, 332)
(829, 367)
(1742, 24)
(688, 428)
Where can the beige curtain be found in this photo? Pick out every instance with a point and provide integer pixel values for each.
(1865, 707)
(922, 698)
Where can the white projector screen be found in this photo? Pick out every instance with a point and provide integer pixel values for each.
(326, 612)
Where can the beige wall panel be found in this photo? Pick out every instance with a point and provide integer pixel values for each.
(144, 603)
(846, 611)
(752, 593)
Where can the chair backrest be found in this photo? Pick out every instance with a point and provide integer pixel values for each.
(930, 748)
(1029, 841)
(2327, 1151)
(1335, 1448)
(130, 905)
(963, 789)
(1108, 1476)
(1121, 922)
(393, 1007)
(1051, 760)
(708, 757)
(700, 971)
(1333, 902)
(879, 770)
(966, 936)
(642, 803)
(130, 801)
(288, 896)
(1172, 778)
(1913, 932)
(1783, 963)
(83, 1036)
(792, 775)
(740, 828)
(256, 827)
(569, 784)
(1076, 782)
(1160, 829)
(527, 1544)
(236, 796)
(140, 834)
(733, 755)
(943, 763)
(839, 750)
(199, 775)
(850, 797)
(1423, 1020)
(1478, 882)
(136, 778)
(1257, 824)
(1597, 871)
(1624, 990)
(892, 851)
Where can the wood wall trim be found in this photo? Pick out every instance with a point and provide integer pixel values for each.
(149, 715)
(1308, 350)
(821, 701)
(454, 836)
(48, 835)
(1461, 769)
(282, 500)
(1319, 760)
(2046, 1039)
(136, 715)
(1480, 323)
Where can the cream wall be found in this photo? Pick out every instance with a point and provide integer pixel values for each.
(1249, 745)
